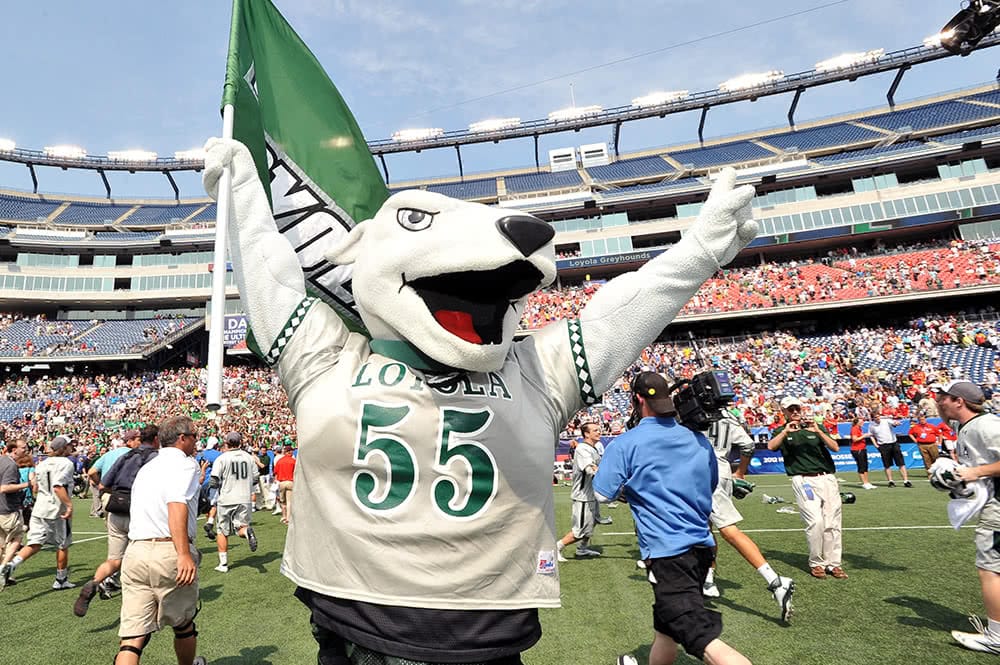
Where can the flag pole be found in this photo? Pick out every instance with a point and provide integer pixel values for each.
(217, 320)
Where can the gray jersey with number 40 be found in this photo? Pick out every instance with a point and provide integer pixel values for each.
(237, 471)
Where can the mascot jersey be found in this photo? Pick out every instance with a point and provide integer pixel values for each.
(421, 496)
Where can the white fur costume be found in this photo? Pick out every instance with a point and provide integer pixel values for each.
(424, 473)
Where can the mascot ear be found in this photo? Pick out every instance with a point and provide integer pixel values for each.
(346, 251)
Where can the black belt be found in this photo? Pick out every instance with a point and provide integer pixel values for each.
(812, 475)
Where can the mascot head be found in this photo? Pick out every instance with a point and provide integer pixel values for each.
(449, 277)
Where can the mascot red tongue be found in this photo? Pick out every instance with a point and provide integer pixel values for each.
(423, 485)
(458, 324)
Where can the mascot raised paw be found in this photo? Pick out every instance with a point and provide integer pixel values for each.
(423, 522)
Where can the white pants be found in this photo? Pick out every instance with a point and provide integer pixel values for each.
(819, 503)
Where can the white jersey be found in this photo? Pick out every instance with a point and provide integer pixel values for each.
(238, 474)
(52, 472)
(979, 440)
(726, 433)
(443, 492)
(583, 482)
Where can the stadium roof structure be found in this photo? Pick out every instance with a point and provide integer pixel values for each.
(832, 71)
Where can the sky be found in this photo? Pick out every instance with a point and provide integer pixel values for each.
(121, 74)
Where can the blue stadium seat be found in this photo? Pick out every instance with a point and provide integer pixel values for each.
(650, 188)
(864, 153)
(992, 96)
(91, 214)
(941, 114)
(630, 169)
(727, 153)
(161, 214)
(841, 133)
(484, 188)
(24, 209)
(126, 236)
(539, 182)
(988, 132)
(206, 215)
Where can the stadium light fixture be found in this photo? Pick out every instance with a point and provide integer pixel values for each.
(846, 60)
(747, 81)
(131, 156)
(494, 124)
(65, 151)
(934, 41)
(574, 112)
(417, 134)
(6, 145)
(192, 155)
(659, 98)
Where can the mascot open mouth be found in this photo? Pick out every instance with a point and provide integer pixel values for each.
(471, 304)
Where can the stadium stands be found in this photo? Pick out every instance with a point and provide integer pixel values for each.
(37, 337)
(727, 153)
(540, 182)
(650, 188)
(988, 132)
(126, 236)
(115, 337)
(483, 188)
(206, 215)
(16, 208)
(941, 114)
(865, 153)
(814, 138)
(630, 169)
(161, 214)
(91, 214)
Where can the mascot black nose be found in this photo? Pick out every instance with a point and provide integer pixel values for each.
(526, 232)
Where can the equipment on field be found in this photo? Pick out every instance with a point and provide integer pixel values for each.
(766, 498)
(943, 478)
(848, 497)
(741, 488)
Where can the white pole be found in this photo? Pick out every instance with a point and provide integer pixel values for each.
(213, 400)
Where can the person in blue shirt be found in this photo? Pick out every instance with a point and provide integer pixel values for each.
(206, 459)
(667, 473)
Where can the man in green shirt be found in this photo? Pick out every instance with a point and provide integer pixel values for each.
(806, 446)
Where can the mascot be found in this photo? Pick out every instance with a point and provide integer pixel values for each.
(424, 524)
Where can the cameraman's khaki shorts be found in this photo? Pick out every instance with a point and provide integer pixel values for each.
(117, 536)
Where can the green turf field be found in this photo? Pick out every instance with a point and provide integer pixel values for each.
(908, 587)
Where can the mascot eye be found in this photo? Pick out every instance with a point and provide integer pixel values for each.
(412, 219)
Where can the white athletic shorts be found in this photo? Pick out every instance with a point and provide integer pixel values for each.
(232, 518)
(58, 532)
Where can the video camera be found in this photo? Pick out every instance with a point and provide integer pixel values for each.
(700, 400)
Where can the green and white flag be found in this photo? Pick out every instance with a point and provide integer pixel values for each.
(310, 154)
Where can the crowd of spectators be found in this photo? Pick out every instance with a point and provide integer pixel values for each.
(838, 377)
(93, 410)
(836, 276)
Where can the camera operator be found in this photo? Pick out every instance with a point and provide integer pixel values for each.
(667, 473)
(806, 447)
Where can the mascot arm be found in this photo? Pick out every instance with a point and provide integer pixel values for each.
(630, 311)
(267, 271)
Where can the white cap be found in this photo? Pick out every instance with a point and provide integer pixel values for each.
(790, 401)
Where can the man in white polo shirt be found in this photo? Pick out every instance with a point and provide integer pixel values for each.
(887, 444)
(160, 568)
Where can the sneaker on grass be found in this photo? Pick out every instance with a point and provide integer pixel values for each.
(586, 551)
(983, 639)
(59, 585)
(222, 568)
(87, 594)
(710, 590)
(251, 539)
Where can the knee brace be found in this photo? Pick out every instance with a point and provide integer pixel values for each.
(185, 631)
(128, 648)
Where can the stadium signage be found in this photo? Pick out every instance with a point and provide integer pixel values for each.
(609, 260)
(235, 330)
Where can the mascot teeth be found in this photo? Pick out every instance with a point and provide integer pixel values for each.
(471, 304)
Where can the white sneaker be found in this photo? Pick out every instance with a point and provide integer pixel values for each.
(199, 660)
(868, 486)
(586, 551)
(560, 558)
(59, 584)
(981, 640)
(640, 564)
(222, 568)
(627, 659)
(710, 590)
(276, 511)
(604, 520)
(782, 590)
(612, 505)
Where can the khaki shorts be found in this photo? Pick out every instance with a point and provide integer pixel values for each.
(151, 598)
(724, 513)
(988, 538)
(58, 532)
(285, 491)
(231, 518)
(584, 518)
(117, 536)
(11, 529)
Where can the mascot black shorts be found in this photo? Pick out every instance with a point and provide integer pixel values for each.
(679, 610)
